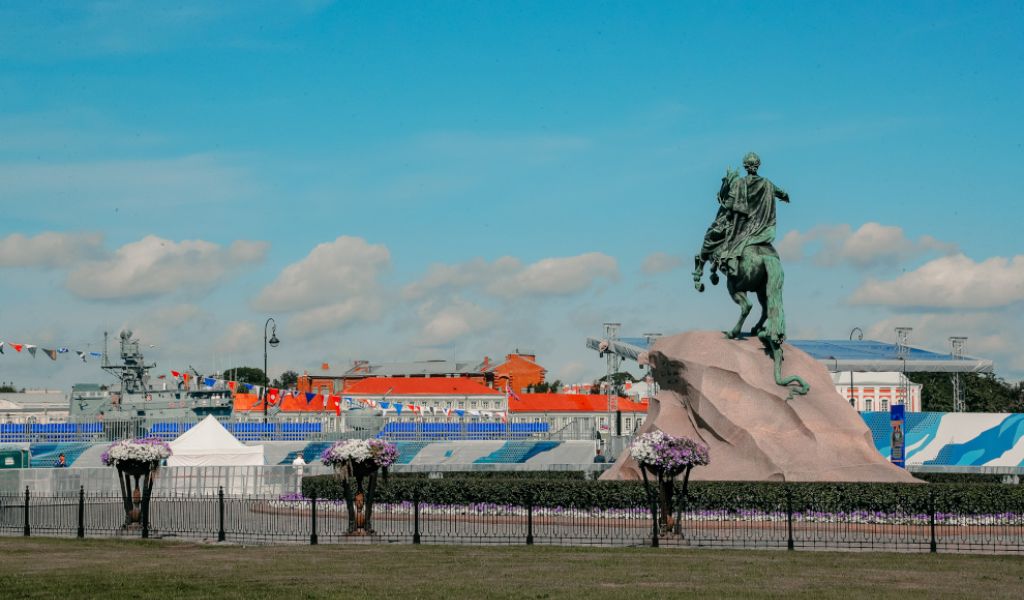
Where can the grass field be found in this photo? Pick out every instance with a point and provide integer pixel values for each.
(54, 568)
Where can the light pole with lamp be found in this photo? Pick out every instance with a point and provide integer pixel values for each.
(859, 333)
(273, 341)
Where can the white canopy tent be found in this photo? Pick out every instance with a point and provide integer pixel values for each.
(208, 444)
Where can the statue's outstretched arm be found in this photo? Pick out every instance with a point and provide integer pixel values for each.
(781, 194)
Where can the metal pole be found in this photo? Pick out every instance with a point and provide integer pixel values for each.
(313, 540)
(933, 547)
(416, 516)
(789, 519)
(81, 511)
(266, 377)
(529, 519)
(221, 536)
(28, 530)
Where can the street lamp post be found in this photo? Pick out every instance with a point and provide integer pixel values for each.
(273, 342)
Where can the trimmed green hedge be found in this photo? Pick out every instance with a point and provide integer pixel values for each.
(825, 497)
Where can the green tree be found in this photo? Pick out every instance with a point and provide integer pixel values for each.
(250, 375)
(8, 388)
(983, 392)
(287, 380)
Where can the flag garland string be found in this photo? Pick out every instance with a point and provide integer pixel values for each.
(51, 353)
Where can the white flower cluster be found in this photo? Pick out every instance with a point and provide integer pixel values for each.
(354, 450)
(144, 451)
(642, 449)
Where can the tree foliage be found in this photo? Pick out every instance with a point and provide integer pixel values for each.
(983, 392)
(250, 375)
(288, 379)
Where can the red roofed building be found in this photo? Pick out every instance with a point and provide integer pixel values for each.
(563, 410)
(520, 370)
(428, 392)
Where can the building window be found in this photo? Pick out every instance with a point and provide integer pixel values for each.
(472, 404)
(883, 405)
(869, 404)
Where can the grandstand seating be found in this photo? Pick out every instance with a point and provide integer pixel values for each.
(408, 431)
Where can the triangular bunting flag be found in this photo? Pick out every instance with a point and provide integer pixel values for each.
(80, 354)
(175, 374)
(398, 408)
(460, 412)
(17, 347)
(1, 347)
(232, 385)
(51, 353)
(62, 351)
(209, 382)
(309, 397)
(31, 349)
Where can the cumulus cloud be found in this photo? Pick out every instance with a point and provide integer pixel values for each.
(507, 277)
(49, 249)
(334, 285)
(154, 266)
(444, 323)
(660, 262)
(557, 276)
(871, 245)
(950, 282)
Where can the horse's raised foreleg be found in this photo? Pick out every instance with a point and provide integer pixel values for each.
(741, 299)
(762, 299)
(698, 272)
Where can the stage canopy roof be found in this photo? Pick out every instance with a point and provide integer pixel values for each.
(845, 355)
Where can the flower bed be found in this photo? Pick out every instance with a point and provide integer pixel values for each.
(298, 502)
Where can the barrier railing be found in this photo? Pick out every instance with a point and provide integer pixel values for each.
(291, 518)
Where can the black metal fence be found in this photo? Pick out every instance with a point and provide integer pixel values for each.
(272, 519)
(293, 519)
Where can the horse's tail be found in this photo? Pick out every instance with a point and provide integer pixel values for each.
(775, 321)
(774, 331)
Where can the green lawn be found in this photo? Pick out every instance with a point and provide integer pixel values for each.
(52, 568)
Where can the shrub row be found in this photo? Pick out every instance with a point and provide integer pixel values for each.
(717, 495)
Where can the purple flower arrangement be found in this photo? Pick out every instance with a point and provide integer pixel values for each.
(667, 454)
(487, 509)
(139, 450)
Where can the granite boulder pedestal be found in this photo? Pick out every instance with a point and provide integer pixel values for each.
(722, 392)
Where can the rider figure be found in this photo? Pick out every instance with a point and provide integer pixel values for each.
(750, 204)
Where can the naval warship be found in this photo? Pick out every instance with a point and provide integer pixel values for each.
(136, 403)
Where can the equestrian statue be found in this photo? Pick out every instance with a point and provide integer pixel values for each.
(739, 244)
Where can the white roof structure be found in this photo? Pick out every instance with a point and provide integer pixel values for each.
(208, 444)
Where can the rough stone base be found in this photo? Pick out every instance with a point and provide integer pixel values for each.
(723, 393)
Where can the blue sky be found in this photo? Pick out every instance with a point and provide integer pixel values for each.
(414, 180)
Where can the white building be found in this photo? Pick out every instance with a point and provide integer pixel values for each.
(869, 392)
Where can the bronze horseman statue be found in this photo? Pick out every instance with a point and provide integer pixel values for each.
(739, 244)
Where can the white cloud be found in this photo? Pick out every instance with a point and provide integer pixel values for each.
(950, 282)
(557, 276)
(441, 325)
(154, 266)
(507, 277)
(334, 285)
(871, 245)
(49, 249)
(661, 262)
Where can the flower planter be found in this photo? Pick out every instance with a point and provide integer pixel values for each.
(666, 457)
(361, 461)
(137, 462)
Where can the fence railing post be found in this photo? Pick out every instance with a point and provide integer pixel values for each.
(789, 519)
(933, 547)
(81, 511)
(28, 530)
(221, 535)
(313, 540)
(416, 516)
(529, 519)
